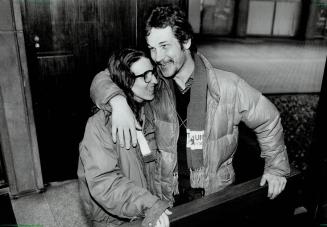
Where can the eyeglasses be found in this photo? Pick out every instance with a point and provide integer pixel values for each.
(147, 75)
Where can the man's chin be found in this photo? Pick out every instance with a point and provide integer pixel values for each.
(168, 71)
(168, 75)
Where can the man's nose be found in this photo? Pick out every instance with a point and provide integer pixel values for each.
(159, 55)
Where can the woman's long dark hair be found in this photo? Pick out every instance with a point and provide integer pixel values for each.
(119, 66)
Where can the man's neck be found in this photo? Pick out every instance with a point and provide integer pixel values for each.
(185, 72)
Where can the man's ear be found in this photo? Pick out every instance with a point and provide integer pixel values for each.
(187, 44)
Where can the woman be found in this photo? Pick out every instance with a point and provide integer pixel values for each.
(115, 183)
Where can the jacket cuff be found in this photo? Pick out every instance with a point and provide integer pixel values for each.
(149, 158)
(153, 213)
(279, 166)
(105, 105)
(103, 89)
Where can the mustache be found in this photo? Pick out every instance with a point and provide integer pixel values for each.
(162, 63)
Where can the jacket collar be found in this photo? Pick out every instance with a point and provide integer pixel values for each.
(213, 83)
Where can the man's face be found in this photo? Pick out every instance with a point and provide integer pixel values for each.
(166, 50)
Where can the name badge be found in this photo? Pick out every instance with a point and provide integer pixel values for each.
(194, 139)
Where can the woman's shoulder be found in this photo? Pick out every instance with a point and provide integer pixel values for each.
(99, 122)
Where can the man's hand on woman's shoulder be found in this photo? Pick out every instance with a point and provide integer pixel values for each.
(123, 122)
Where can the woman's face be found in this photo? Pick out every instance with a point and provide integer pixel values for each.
(142, 90)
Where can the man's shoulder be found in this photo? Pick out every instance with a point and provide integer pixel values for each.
(226, 75)
(101, 75)
(216, 73)
(225, 79)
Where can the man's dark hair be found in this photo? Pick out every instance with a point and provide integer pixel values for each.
(119, 66)
(173, 16)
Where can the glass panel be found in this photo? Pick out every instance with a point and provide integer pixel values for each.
(286, 18)
(260, 17)
(217, 17)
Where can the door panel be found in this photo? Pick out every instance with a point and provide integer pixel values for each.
(68, 42)
(58, 115)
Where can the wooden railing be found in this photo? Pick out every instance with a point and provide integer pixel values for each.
(244, 204)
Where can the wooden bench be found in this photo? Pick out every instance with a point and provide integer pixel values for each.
(244, 204)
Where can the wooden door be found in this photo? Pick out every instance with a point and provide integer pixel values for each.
(68, 42)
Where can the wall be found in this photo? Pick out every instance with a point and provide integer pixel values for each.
(194, 14)
(18, 137)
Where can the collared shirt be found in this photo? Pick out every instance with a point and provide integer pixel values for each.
(188, 84)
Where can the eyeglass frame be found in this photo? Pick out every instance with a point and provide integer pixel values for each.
(144, 75)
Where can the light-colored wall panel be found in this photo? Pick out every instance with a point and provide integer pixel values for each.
(16, 118)
(287, 18)
(6, 22)
(14, 108)
(18, 137)
(260, 17)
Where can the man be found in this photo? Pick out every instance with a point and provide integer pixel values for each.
(197, 111)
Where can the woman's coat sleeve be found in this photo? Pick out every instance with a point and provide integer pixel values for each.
(107, 185)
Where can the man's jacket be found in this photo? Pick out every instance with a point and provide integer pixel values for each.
(115, 184)
(230, 100)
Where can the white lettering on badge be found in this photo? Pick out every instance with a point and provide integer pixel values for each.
(194, 139)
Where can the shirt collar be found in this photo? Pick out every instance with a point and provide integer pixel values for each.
(188, 84)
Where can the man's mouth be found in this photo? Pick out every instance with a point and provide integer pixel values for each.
(164, 64)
